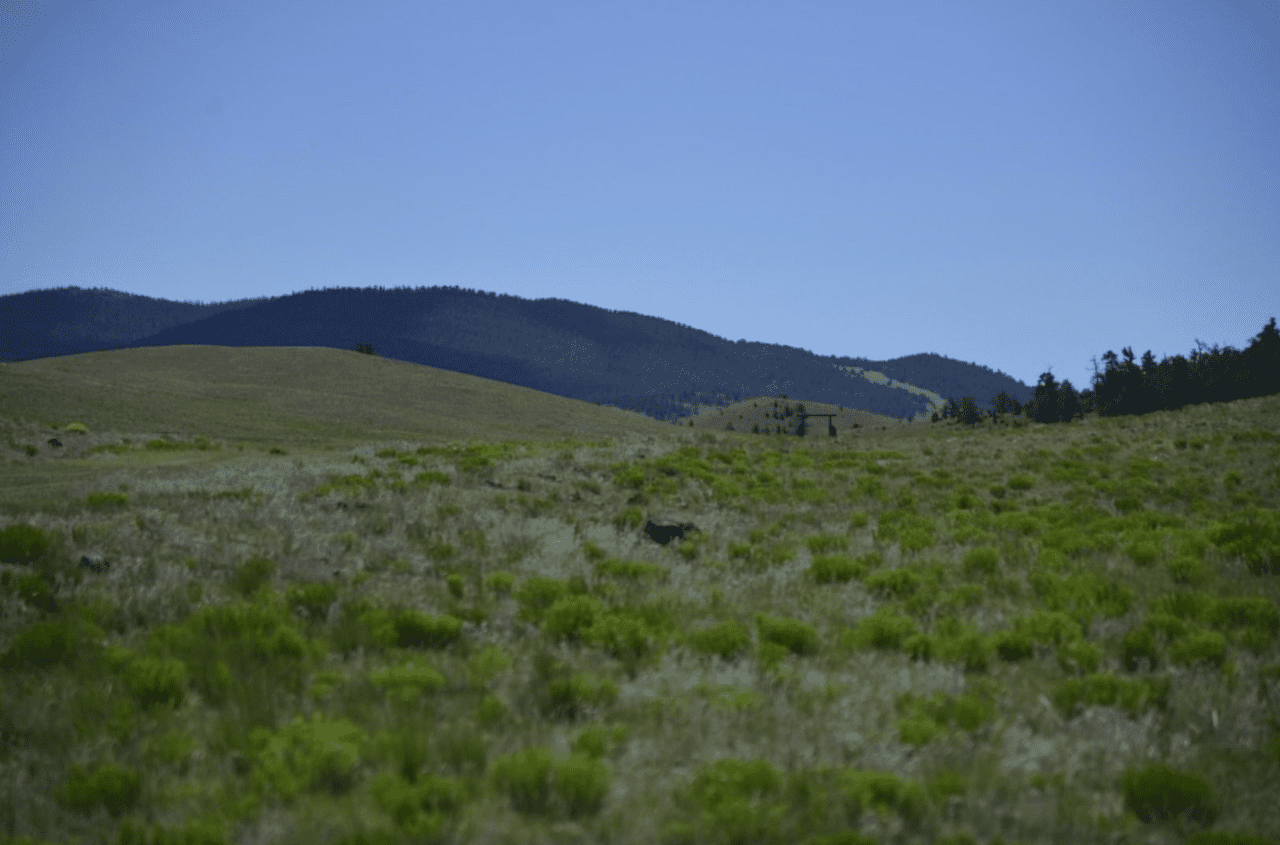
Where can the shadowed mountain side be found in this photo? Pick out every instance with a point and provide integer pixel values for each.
(555, 346)
(293, 396)
(658, 367)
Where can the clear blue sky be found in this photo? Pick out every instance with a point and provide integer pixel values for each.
(1024, 184)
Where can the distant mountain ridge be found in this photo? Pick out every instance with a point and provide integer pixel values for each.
(659, 367)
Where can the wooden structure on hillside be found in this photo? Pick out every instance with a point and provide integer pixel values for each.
(803, 427)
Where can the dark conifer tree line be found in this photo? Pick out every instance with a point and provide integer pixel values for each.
(1126, 388)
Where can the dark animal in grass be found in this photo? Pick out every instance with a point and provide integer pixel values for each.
(55, 442)
(663, 534)
(95, 565)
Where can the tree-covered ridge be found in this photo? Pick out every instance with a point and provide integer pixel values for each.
(1125, 389)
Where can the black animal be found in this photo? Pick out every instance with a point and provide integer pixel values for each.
(663, 534)
(55, 442)
(95, 565)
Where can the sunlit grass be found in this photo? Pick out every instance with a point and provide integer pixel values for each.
(1017, 634)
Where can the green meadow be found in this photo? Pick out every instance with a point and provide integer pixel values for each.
(245, 603)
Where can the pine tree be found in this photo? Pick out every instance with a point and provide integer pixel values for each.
(969, 413)
(1262, 360)
(1044, 405)
(1068, 407)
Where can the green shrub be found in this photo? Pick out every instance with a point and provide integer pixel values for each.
(983, 560)
(34, 590)
(408, 682)
(1012, 646)
(107, 785)
(43, 644)
(734, 801)
(106, 499)
(726, 639)
(561, 693)
(491, 711)
(593, 740)
(917, 730)
(1254, 536)
(486, 664)
(526, 779)
(1185, 605)
(252, 575)
(970, 712)
(885, 630)
(1222, 837)
(441, 794)
(537, 594)
(232, 650)
(419, 808)
(946, 783)
(464, 749)
(1167, 624)
(568, 616)
(827, 569)
(312, 600)
(928, 717)
(1160, 793)
(22, 544)
(1185, 569)
(970, 649)
(1050, 627)
(320, 754)
(456, 585)
(1143, 552)
(920, 647)
(630, 570)
(1079, 656)
(882, 791)
(792, 634)
(632, 517)
(580, 784)
(195, 832)
(1209, 646)
(157, 681)
(826, 543)
(570, 697)
(1246, 612)
(625, 637)
(500, 582)
(1137, 645)
(1107, 690)
(898, 583)
(418, 630)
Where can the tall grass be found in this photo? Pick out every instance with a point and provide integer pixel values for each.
(934, 634)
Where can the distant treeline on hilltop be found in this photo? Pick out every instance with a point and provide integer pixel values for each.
(1124, 388)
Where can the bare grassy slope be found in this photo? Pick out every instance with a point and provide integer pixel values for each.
(295, 394)
(299, 398)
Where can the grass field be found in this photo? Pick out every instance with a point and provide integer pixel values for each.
(306, 596)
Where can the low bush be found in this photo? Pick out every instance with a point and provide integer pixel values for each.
(107, 785)
(1159, 793)
(22, 544)
(725, 639)
(792, 634)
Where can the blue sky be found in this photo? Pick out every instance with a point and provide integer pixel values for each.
(1020, 184)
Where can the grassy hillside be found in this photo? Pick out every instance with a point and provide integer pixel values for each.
(250, 599)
